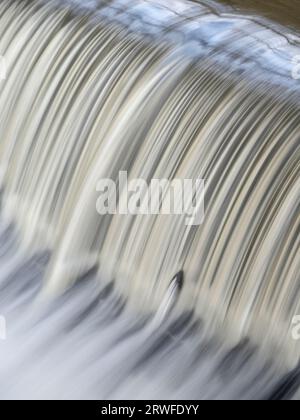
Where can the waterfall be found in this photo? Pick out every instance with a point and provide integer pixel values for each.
(158, 90)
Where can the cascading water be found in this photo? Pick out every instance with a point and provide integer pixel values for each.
(160, 90)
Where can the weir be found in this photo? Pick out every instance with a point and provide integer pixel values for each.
(159, 90)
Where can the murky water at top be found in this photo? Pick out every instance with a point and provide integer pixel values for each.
(285, 12)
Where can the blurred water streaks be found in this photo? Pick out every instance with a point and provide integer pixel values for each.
(87, 345)
(184, 90)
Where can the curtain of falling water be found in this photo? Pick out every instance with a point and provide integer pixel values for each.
(183, 93)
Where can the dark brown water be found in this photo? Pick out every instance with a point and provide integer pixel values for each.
(287, 12)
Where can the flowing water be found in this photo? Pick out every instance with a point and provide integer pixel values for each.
(158, 89)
